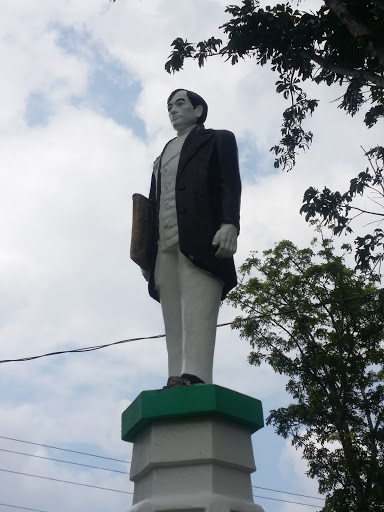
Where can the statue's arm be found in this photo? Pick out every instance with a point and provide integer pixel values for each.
(230, 192)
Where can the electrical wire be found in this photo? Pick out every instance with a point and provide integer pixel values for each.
(141, 338)
(116, 471)
(125, 492)
(63, 481)
(82, 349)
(64, 461)
(91, 349)
(127, 472)
(287, 501)
(64, 449)
(21, 508)
(287, 492)
(119, 490)
(116, 460)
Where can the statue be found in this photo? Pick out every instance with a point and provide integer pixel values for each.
(196, 190)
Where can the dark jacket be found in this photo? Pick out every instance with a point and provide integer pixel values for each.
(208, 191)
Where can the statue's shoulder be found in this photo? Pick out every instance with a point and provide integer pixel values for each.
(200, 130)
(224, 134)
(156, 164)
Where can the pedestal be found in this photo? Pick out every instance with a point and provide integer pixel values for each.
(192, 449)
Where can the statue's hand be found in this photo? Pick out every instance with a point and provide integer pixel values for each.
(226, 240)
(146, 274)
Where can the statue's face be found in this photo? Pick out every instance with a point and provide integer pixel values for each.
(181, 111)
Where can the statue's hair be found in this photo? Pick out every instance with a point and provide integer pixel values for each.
(196, 100)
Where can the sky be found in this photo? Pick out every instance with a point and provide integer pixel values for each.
(82, 118)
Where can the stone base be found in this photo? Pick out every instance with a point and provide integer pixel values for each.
(192, 449)
(192, 503)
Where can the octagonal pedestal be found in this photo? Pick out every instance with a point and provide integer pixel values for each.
(192, 449)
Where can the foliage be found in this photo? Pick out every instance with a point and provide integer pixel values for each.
(335, 208)
(341, 43)
(319, 323)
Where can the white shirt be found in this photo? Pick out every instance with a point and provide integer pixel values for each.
(168, 229)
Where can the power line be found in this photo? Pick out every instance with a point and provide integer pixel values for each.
(116, 460)
(124, 492)
(141, 338)
(83, 349)
(116, 471)
(286, 501)
(91, 349)
(64, 449)
(21, 508)
(64, 461)
(63, 481)
(286, 492)
(127, 473)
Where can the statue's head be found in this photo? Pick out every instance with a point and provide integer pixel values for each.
(186, 109)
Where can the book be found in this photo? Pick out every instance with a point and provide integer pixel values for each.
(143, 231)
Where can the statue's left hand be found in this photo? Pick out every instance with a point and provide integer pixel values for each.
(226, 240)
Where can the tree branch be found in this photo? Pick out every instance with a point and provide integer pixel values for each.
(350, 457)
(356, 28)
(340, 70)
(366, 211)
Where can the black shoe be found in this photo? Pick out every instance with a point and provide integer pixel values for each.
(175, 381)
(189, 379)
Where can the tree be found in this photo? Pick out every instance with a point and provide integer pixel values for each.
(319, 323)
(340, 44)
(334, 208)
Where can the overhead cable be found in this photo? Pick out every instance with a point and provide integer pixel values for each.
(141, 338)
(20, 508)
(63, 481)
(116, 460)
(287, 492)
(82, 349)
(127, 472)
(64, 449)
(64, 461)
(287, 501)
(125, 492)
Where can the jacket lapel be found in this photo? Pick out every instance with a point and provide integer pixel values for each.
(195, 139)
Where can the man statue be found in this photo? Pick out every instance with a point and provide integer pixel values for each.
(196, 191)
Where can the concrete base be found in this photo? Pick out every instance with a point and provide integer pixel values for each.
(193, 463)
(193, 503)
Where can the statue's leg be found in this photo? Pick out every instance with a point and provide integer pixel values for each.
(168, 288)
(200, 303)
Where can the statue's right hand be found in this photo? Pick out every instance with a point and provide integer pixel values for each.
(146, 274)
(226, 241)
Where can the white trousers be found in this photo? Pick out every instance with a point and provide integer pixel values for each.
(190, 300)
